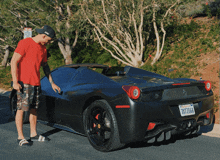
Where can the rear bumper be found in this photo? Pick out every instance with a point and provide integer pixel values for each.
(133, 122)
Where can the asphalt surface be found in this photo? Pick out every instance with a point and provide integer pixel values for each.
(66, 145)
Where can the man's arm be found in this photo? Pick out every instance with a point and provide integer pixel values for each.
(46, 70)
(14, 66)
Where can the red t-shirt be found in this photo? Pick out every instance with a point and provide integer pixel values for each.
(33, 54)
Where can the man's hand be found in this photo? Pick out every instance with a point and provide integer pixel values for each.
(55, 87)
(17, 86)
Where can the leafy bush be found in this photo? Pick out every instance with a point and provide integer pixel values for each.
(91, 52)
(5, 76)
(198, 7)
(213, 8)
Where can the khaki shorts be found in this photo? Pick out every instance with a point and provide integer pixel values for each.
(28, 98)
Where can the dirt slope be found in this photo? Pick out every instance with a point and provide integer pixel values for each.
(210, 72)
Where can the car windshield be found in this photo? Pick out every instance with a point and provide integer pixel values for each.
(102, 69)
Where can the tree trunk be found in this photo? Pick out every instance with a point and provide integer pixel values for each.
(68, 60)
(4, 62)
(66, 55)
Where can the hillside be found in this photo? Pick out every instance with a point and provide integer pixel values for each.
(208, 66)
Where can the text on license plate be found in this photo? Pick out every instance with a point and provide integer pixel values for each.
(186, 110)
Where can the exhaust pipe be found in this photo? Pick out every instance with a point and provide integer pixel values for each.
(197, 129)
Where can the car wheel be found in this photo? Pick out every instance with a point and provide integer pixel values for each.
(13, 105)
(101, 126)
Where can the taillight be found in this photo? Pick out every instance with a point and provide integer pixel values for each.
(132, 91)
(208, 115)
(151, 126)
(207, 85)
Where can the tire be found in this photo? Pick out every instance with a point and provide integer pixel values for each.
(101, 127)
(13, 106)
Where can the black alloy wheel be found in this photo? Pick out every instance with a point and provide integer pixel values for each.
(101, 127)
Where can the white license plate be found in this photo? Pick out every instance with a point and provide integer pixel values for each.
(186, 110)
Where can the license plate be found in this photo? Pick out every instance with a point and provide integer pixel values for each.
(186, 110)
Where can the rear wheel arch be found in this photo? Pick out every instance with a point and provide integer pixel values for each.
(89, 101)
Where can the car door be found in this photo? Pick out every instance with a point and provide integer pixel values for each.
(51, 108)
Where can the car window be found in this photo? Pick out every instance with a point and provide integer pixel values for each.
(98, 70)
(114, 71)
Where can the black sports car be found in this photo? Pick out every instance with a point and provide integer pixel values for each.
(114, 106)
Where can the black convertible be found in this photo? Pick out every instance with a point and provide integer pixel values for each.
(114, 106)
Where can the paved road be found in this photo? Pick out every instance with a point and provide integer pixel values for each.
(66, 145)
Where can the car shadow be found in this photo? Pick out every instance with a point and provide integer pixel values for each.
(5, 113)
(53, 131)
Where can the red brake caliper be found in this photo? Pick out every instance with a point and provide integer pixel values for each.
(96, 117)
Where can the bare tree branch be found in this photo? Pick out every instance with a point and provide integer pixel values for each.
(140, 30)
(76, 38)
(160, 48)
(1, 39)
(5, 59)
(120, 24)
(136, 31)
(103, 6)
(110, 50)
(19, 16)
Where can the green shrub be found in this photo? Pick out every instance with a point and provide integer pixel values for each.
(193, 8)
(5, 76)
(213, 8)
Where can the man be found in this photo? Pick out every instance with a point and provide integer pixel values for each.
(29, 55)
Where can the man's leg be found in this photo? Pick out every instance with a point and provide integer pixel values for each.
(33, 122)
(22, 105)
(33, 117)
(35, 94)
(19, 123)
(33, 127)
